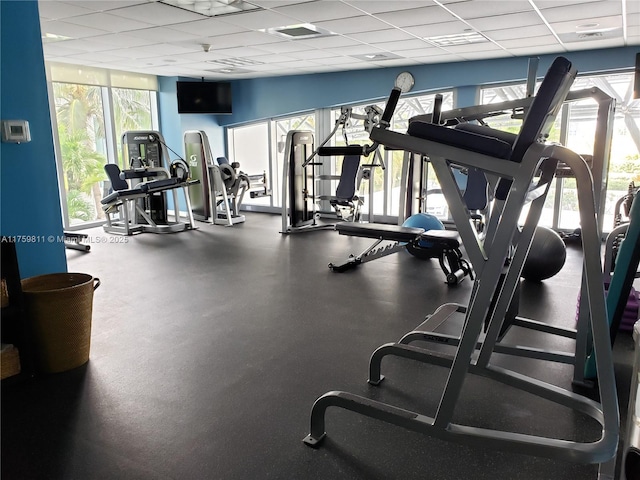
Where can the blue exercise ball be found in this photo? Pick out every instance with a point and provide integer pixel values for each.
(426, 221)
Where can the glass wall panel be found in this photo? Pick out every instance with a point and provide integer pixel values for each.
(81, 134)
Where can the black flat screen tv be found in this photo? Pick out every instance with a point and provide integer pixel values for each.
(204, 97)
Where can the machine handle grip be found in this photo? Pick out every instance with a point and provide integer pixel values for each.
(333, 151)
(391, 105)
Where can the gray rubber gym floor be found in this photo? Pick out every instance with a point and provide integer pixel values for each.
(210, 346)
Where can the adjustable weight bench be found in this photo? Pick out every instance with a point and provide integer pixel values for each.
(525, 170)
(444, 245)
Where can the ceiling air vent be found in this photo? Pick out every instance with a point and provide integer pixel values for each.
(298, 32)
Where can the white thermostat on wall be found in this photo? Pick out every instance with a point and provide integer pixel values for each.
(15, 131)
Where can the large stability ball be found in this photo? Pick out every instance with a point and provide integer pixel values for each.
(423, 249)
(546, 256)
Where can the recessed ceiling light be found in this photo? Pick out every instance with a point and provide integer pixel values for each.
(212, 8)
(588, 25)
(54, 37)
(456, 39)
(235, 62)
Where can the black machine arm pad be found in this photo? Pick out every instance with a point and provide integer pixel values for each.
(391, 105)
(334, 151)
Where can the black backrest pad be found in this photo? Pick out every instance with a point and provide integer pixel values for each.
(347, 186)
(113, 172)
(545, 106)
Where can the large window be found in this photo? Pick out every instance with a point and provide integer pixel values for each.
(91, 109)
(576, 127)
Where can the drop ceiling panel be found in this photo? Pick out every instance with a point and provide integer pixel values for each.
(385, 35)
(256, 20)
(417, 16)
(105, 21)
(386, 6)
(209, 27)
(57, 10)
(158, 14)
(584, 10)
(437, 29)
(490, 8)
(319, 11)
(513, 33)
(164, 39)
(364, 23)
(70, 30)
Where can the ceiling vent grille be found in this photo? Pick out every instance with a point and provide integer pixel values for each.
(298, 32)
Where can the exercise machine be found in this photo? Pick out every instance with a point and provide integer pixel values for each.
(222, 186)
(525, 170)
(419, 238)
(138, 202)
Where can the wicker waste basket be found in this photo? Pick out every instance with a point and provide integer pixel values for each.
(59, 308)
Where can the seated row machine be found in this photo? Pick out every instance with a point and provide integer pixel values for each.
(526, 170)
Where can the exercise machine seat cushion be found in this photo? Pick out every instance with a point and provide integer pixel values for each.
(346, 190)
(394, 233)
(454, 137)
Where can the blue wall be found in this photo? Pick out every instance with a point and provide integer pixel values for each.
(263, 98)
(29, 197)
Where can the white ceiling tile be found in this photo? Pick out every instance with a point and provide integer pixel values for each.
(104, 21)
(402, 45)
(277, 3)
(522, 32)
(483, 55)
(284, 47)
(121, 40)
(583, 10)
(489, 8)
(272, 58)
(437, 29)
(514, 20)
(420, 52)
(210, 27)
(530, 41)
(55, 10)
(332, 41)
(475, 47)
(441, 58)
(319, 11)
(158, 14)
(360, 24)
(243, 39)
(105, 5)
(70, 30)
(385, 35)
(256, 20)
(370, 6)
(417, 16)
(358, 50)
(338, 60)
(58, 50)
(585, 24)
(238, 51)
(163, 34)
(84, 45)
(313, 53)
(91, 57)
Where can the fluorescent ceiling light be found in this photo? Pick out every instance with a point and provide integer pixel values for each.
(53, 37)
(212, 8)
(457, 39)
(235, 62)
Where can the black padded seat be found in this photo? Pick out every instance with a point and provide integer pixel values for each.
(394, 233)
(447, 238)
(120, 193)
(468, 140)
(508, 137)
(157, 185)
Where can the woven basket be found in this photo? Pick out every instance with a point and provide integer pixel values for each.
(59, 308)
